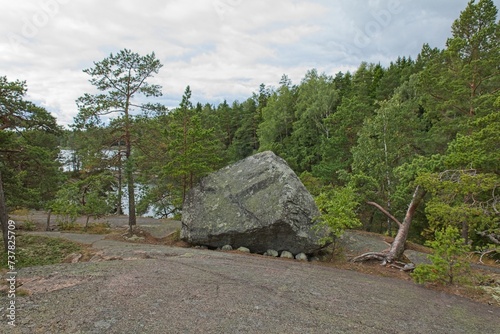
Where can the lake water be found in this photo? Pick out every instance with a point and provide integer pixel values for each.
(70, 163)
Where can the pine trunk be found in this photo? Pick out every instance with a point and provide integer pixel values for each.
(398, 245)
(132, 221)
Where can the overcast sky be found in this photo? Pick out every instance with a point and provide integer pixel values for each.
(223, 49)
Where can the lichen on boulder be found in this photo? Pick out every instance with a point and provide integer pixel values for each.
(258, 202)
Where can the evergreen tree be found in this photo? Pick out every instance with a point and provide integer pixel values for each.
(465, 194)
(277, 119)
(346, 123)
(387, 140)
(245, 141)
(317, 100)
(92, 196)
(465, 91)
(462, 80)
(448, 260)
(394, 76)
(120, 77)
(29, 170)
(186, 151)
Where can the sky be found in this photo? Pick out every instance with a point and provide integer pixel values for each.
(222, 49)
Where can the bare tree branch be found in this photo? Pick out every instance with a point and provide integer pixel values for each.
(492, 237)
(385, 212)
(486, 252)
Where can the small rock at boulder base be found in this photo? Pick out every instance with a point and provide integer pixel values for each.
(243, 250)
(271, 252)
(227, 248)
(258, 203)
(301, 257)
(286, 255)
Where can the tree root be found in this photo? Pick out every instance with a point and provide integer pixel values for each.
(379, 256)
(383, 257)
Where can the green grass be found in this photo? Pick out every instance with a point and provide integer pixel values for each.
(69, 226)
(39, 250)
(92, 228)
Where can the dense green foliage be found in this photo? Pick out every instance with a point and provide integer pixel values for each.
(337, 208)
(368, 136)
(92, 196)
(28, 149)
(29, 173)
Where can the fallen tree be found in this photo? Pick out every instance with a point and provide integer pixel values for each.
(398, 245)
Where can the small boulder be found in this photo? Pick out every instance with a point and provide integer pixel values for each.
(301, 257)
(227, 248)
(271, 252)
(243, 250)
(286, 255)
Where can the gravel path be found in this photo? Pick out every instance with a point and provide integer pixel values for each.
(176, 290)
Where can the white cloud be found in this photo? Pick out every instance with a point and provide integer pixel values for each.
(223, 49)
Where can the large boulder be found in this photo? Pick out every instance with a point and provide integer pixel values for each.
(257, 203)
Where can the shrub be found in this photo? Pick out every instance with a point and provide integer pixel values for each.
(448, 259)
(28, 225)
(337, 207)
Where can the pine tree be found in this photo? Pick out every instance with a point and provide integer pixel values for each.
(448, 260)
(345, 124)
(29, 170)
(120, 78)
(277, 118)
(317, 100)
(193, 150)
(462, 80)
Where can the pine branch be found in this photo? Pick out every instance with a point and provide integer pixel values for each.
(385, 212)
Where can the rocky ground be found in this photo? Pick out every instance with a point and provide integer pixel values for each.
(155, 288)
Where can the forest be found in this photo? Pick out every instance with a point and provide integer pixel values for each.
(421, 133)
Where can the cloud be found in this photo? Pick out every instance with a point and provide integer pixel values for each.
(223, 49)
